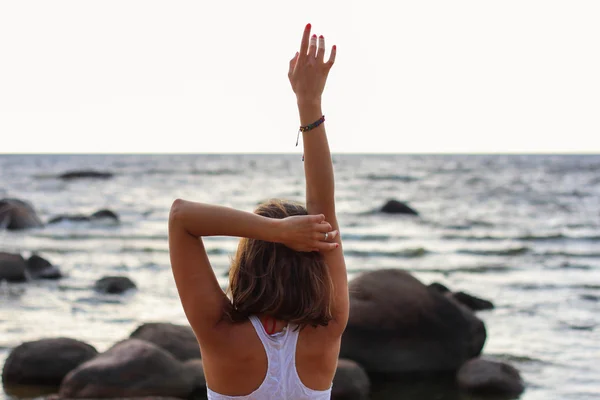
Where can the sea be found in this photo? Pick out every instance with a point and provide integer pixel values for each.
(520, 230)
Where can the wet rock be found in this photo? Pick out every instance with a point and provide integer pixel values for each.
(114, 284)
(397, 207)
(17, 214)
(85, 174)
(45, 362)
(489, 377)
(398, 325)
(103, 214)
(134, 368)
(438, 287)
(350, 382)
(40, 268)
(12, 267)
(179, 340)
(474, 303)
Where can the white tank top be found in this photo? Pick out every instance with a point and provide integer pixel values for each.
(282, 381)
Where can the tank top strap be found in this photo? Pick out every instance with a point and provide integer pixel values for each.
(284, 340)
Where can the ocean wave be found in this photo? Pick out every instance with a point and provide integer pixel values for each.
(365, 237)
(523, 238)
(481, 269)
(406, 253)
(570, 254)
(176, 172)
(93, 236)
(399, 178)
(514, 251)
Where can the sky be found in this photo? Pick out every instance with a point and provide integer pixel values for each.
(211, 76)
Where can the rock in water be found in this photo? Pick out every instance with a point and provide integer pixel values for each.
(489, 377)
(474, 303)
(105, 214)
(350, 382)
(17, 214)
(45, 362)
(81, 174)
(114, 284)
(40, 268)
(179, 340)
(133, 368)
(12, 267)
(397, 207)
(398, 325)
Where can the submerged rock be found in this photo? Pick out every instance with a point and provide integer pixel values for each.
(45, 362)
(350, 382)
(179, 340)
(102, 214)
(12, 267)
(40, 268)
(474, 303)
(397, 207)
(81, 174)
(489, 377)
(114, 284)
(398, 325)
(134, 368)
(17, 214)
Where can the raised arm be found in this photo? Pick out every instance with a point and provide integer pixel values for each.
(203, 300)
(308, 75)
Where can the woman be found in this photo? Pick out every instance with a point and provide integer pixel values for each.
(278, 337)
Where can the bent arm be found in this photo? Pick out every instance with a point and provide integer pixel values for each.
(203, 300)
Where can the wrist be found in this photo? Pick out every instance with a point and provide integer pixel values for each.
(275, 230)
(309, 111)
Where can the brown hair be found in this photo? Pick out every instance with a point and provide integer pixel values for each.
(272, 279)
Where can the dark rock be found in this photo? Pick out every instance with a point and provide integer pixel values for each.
(81, 174)
(438, 287)
(474, 303)
(45, 362)
(12, 267)
(105, 214)
(179, 340)
(397, 207)
(489, 377)
(98, 215)
(40, 268)
(350, 382)
(114, 284)
(66, 217)
(17, 214)
(398, 325)
(134, 368)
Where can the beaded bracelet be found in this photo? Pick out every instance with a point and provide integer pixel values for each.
(309, 127)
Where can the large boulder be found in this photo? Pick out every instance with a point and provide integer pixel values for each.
(12, 267)
(40, 268)
(17, 214)
(179, 340)
(134, 368)
(473, 302)
(114, 284)
(350, 382)
(398, 325)
(489, 377)
(397, 207)
(100, 215)
(45, 362)
(85, 174)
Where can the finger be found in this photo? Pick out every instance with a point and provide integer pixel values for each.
(305, 40)
(332, 56)
(293, 62)
(331, 236)
(312, 49)
(323, 246)
(323, 227)
(321, 49)
(317, 218)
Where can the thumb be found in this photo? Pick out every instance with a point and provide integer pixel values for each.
(293, 63)
(318, 218)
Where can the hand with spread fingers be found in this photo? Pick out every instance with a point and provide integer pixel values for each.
(308, 69)
(307, 233)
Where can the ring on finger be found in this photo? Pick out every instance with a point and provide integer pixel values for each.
(326, 236)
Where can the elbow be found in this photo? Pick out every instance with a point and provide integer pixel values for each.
(176, 210)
